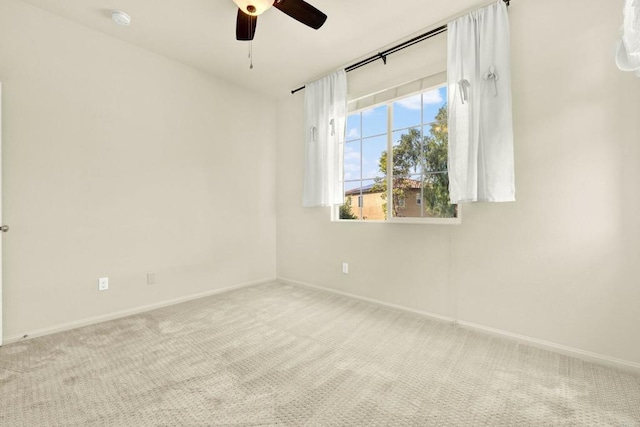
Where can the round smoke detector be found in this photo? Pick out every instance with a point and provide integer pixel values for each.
(120, 18)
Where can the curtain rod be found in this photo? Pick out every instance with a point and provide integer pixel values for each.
(383, 55)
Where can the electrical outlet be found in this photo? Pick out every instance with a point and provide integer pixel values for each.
(345, 268)
(151, 278)
(103, 283)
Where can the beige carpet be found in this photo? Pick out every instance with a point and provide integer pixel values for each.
(283, 355)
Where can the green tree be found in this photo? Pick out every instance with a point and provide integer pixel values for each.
(415, 153)
(345, 210)
(436, 179)
(406, 160)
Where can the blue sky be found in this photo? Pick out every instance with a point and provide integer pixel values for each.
(371, 126)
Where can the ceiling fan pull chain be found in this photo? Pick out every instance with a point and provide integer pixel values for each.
(250, 55)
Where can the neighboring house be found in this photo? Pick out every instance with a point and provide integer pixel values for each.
(367, 202)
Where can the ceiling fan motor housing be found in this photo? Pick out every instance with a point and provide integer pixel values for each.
(300, 10)
(254, 7)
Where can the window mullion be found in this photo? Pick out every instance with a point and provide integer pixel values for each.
(389, 161)
(360, 199)
(423, 160)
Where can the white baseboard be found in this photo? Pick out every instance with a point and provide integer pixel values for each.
(128, 312)
(534, 342)
(558, 348)
(371, 300)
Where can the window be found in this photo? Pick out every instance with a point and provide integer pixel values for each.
(402, 202)
(410, 185)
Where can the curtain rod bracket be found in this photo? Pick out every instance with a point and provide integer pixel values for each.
(383, 57)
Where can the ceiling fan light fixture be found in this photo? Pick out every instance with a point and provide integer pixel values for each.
(254, 7)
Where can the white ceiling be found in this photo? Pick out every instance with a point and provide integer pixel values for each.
(201, 33)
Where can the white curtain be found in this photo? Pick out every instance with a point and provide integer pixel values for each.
(628, 53)
(481, 166)
(325, 119)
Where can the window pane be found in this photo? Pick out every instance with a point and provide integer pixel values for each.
(436, 141)
(352, 192)
(352, 161)
(406, 112)
(350, 210)
(373, 152)
(407, 152)
(433, 101)
(374, 121)
(373, 200)
(407, 188)
(349, 186)
(436, 197)
(353, 127)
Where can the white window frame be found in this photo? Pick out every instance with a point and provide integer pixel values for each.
(335, 212)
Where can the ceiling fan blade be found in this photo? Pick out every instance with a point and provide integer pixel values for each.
(302, 11)
(245, 26)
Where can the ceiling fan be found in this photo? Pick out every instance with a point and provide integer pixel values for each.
(248, 11)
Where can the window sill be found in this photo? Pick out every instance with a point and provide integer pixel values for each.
(423, 221)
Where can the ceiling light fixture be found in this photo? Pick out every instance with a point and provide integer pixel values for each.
(254, 7)
(120, 18)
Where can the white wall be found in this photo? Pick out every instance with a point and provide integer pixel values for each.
(118, 162)
(558, 265)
